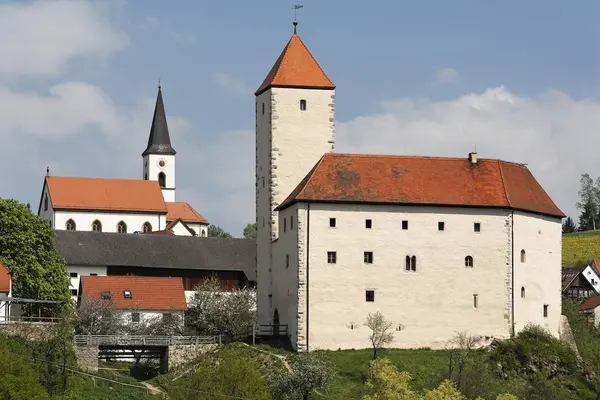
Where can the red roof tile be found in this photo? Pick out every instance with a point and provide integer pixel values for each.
(590, 303)
(166, 232)
(184, 211)
(596, 266)
(423, 180)
(148, 293)
(105, 194)
(296, 67)
(4, 279)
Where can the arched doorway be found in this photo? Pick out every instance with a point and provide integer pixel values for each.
(276, 323)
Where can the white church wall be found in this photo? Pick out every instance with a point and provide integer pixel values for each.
(77, 271)
(540, 273)
(290, 141)
(152, 169)
(180, 230)
(134, 221)
(429, 306)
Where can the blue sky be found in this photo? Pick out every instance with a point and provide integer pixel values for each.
(518, 80)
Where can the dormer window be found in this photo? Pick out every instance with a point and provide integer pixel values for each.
(127, 294)
(303, 105)
(105, 296)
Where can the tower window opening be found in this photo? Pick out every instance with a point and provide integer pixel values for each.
(162, 178)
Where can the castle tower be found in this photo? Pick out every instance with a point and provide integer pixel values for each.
(159, 156)
(295, 123)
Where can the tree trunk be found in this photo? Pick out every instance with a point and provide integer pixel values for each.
(374, 353)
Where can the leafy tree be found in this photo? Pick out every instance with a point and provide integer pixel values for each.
(250, 231)
(569, 226)
(27, 249)
(309, 373)
(97, 317)
(217, 231)
(588, 203)
(381, 333)
(225, 374)
(215, 311)
(18, 380)
(446, 391)
(385, 382)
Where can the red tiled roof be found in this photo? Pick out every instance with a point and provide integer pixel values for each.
(596, 266)
(4, 279)
(422, 180)
(590, 303)
(105, 194)
(148, 293)
(166, 232)
(184, 211)
(296, 67)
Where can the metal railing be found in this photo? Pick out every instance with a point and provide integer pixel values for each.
(135, 340)
(271, 330)
(5, 319)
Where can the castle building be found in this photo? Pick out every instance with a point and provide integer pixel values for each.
(437, 245)
(125, 205)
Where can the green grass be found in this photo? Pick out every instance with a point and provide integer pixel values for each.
(581, 247)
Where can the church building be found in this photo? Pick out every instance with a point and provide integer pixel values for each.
(125, 205)
(438, 245)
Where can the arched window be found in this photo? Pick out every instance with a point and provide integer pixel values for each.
(469, 261)
(162, 179)
(70, 225)
(523, 256)
(523, 292)
(147, 227)
(413, 263)
(46, 203)
(203, 233)
(407, 263)
(97, 226)
(122, 227)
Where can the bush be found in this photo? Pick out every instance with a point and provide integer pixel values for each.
(18, 380)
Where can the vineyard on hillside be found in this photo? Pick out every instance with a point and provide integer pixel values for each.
(579, 248)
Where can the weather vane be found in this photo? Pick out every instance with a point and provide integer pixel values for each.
(296, 8)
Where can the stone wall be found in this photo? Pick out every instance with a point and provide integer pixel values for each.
(182, 354)
(87, 357)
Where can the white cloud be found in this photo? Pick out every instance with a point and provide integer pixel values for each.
(41, 37)
(230, 83)
(552, 132)
(446, 75)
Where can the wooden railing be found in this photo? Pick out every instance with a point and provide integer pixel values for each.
(134, 340)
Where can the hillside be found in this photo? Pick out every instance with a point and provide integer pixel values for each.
(580, 247)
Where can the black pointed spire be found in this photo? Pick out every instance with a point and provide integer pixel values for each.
(159, 141)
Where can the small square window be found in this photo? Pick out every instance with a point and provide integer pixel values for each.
(93, 274)
(332, 222)
(368, 257)
(477, 227)
(368, 223)
(287, 260)
(331, 257)
(73, 292)
(405, 225)
(370, 295)
(441, 226)
(135, 317)
(73, 274)
(545, 310)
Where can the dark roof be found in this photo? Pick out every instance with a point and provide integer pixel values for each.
(590, 303)
(159, 141)
(438, 181)
(157, 251)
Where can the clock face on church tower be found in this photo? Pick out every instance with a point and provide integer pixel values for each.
(161, 163)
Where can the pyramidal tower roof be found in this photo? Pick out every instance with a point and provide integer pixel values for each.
(296, 67)
(159, 141)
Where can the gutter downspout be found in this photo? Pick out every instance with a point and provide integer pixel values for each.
(307, 273)
(512, 274)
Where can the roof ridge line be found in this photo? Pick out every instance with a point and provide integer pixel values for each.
(504, 184)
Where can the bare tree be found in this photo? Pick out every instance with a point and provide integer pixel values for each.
(215, 311)
(461, 348)
(97, 317)
(308, 373)
(381, 333)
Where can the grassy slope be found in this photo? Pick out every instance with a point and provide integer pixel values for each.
(581, 247)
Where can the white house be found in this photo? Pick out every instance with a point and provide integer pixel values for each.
(5, 291)
(125, 205)
(438, 245)
(140, 299)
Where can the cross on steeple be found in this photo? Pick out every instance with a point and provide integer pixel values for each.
(295, 23)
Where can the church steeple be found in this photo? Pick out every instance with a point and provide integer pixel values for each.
(159, 141)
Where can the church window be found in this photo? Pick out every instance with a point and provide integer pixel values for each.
(404, 225)
(370, 295)
(97, 226)
(469, 261)
(70, 225)
(523, 256)
(331, 257)
(332, 222)
(368, 223)
(121, 227)
(368, 257)
(475, 301)
(522, 292)
(46, 203)
(477, 227)
(162, 179)
(146, 228)
(303, 105)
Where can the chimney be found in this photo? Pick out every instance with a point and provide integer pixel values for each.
(473, 158)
